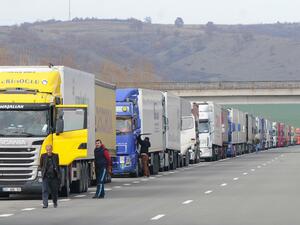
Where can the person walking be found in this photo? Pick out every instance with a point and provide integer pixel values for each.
(102, 166)
(145, 145)
(49, 164)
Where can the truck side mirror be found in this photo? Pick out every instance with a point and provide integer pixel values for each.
(59, 126)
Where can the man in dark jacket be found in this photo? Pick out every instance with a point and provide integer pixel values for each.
(49, 164)
(102, 166)
(144, 152)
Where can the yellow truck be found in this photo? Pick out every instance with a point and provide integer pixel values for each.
(57, 106)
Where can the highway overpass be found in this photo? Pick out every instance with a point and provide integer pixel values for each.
(262, 92)
(276, 100)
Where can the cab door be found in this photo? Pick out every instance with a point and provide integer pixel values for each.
(70, 134)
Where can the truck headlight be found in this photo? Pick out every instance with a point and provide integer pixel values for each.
(128, 161)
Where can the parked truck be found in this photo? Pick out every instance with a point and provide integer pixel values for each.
(225, 130)
(210, 130)
(188, 140)
(250, 132)
(139, 112)
(281, 135)
(233, 136)
(56, 106)
(175, 152)
(275, 134)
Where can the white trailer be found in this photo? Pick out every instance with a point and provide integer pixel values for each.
(188, 132)
(210, 130)
(275, 134)
(241, 126)
(250, 129)
(269, 134)
(173, 132)
(233, 133)
(151, 111)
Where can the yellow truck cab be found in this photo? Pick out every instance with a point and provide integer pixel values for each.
(56, 106)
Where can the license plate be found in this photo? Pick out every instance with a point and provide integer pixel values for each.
(122, 159)
(12, 189)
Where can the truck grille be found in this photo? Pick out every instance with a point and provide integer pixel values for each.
(18, 164)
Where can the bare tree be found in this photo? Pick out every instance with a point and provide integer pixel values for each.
(179, 22)
(148, 20)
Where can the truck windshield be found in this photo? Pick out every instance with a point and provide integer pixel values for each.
(124, 125)
(203, 127)
(24, 123)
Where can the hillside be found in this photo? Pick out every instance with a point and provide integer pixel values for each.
(119, 50)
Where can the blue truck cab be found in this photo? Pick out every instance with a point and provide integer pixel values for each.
(128, 127)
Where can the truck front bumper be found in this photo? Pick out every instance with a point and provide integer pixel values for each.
(205, 152)
(28, 187)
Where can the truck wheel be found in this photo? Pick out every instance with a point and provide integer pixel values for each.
(65, 190)
(156, 164)
(137, 170)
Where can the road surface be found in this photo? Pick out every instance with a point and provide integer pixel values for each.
(261, 188)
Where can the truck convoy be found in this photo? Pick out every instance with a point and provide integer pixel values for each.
(42, 106)
(69, 109)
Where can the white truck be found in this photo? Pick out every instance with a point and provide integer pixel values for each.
(241, 126)
(151, 114)
(172, 115)
(210, 130)
(188, 142)
(250, 132)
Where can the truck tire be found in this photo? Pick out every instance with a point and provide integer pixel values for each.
(173, 164)
(65, 189)
(137, 169)
(157, 164)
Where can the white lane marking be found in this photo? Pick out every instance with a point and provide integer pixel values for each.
(144, 179)
(236, 178)
(107, 189)
(28, 209)
(152, 178)
(79, 196)
(223, 185)
(136, 182)
(258, 167)
(187, 202)
(159, 175)
(276, 158)
(6, 215)
(208, 192)
(126, 184)
(264, 164)
(223, 160)
(93, 192)
(116, 186)
(245, 173)
(282, 155)
(61, 200)
(252, 170)
(159, 216)
(171, 172)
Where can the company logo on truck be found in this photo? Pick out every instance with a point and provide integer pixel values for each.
(11, 142)
(11, 106)
(24, 81)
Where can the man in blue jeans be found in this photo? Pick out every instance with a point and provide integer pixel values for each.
(102, 166)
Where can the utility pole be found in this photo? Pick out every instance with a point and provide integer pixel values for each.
(69, 10)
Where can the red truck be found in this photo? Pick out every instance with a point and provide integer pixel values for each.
(281, 135)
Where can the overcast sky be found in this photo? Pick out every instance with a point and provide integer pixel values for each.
(161, 11)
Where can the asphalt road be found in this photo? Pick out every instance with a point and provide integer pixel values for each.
(251, 189)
